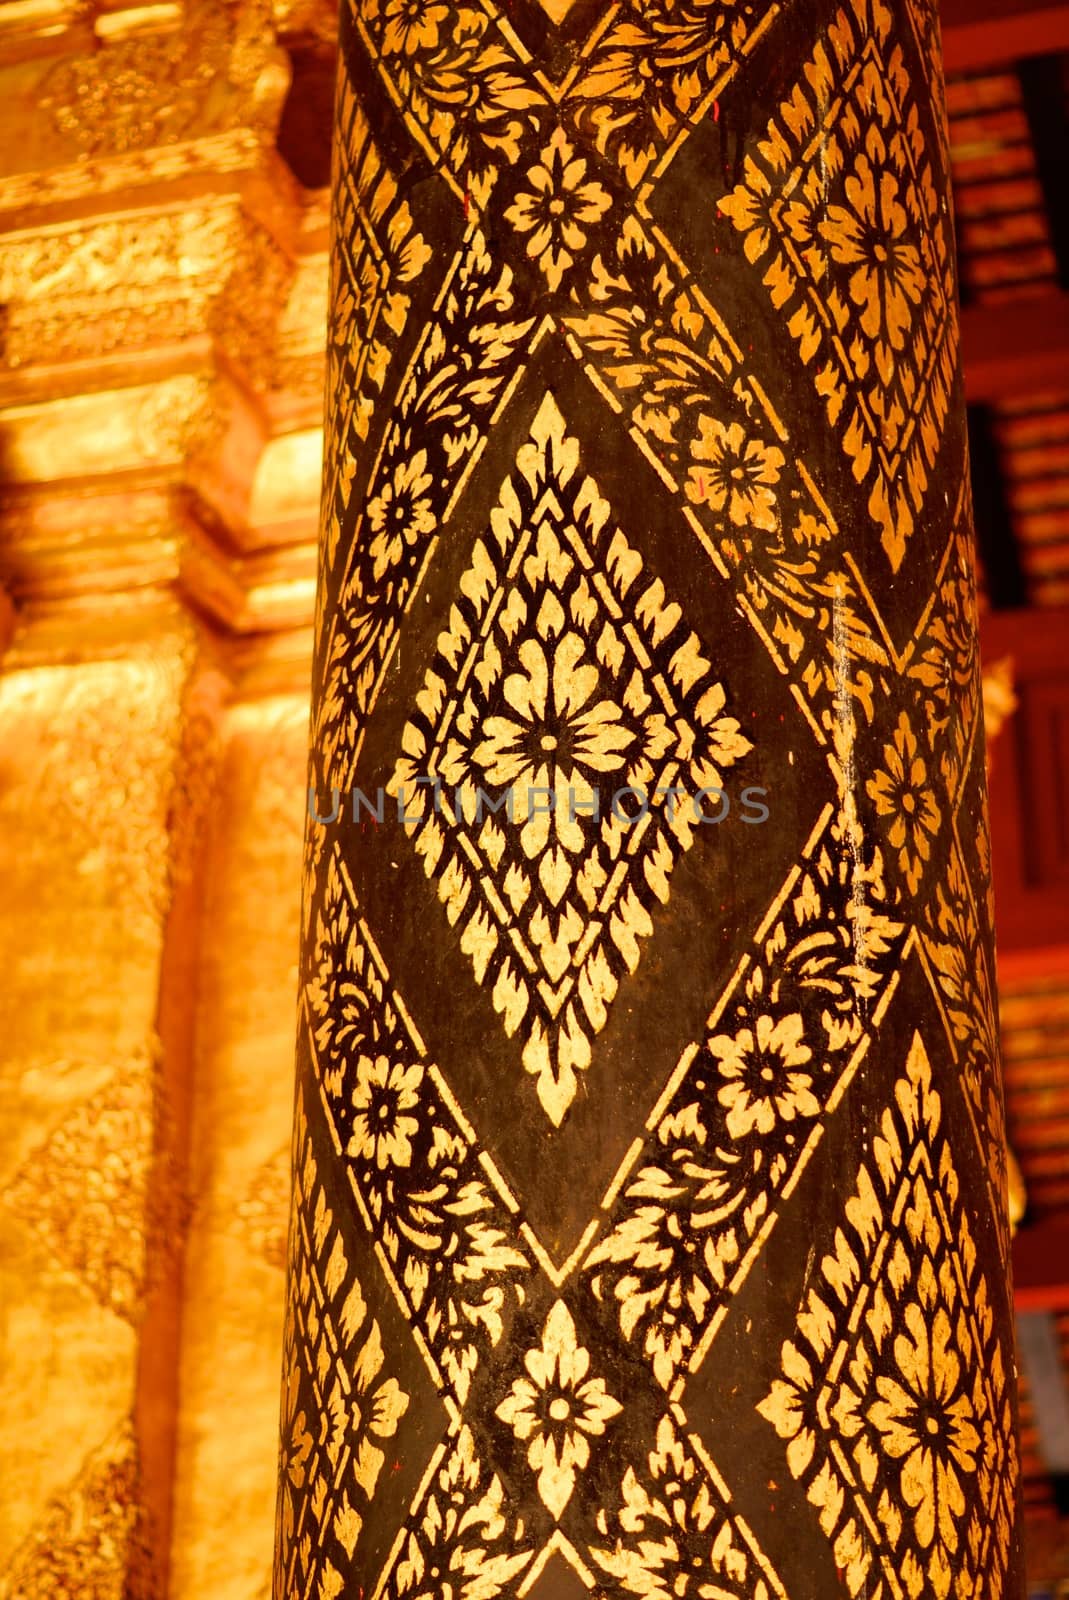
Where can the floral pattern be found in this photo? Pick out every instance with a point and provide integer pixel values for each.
(667, 1507)
(678, 1245)
(557, 208)
(372, 278)
(357, 1403)
(554, 737)
(946, 661)
(894, 1399)
(400, 513)
(565, 663)
(764, 1084)
(859, 261)
(412, 25)
(461, 82)
(520, 754)
(901, 792)
(927, 1423)
(385, 1094)
(734, 474)
(653, 70)
(424, 1194)
(557, 1409)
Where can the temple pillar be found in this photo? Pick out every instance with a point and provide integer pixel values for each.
(649, 1224)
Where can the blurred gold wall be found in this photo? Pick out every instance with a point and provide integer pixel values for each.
(162, 297)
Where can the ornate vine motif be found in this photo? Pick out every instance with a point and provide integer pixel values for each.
(743, 1120)
(451, 1252)
(465, 1538)
(668, 1505)
(656, 70)
(380, 256)
(459, 372)
(571, 500)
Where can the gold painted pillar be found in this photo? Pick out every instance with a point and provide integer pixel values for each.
(649, 1229)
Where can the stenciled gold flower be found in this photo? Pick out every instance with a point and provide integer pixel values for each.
(926, 1422)
(412, 25)
(720, 741)
(901, 792)
(734, 473)
(868, 236)
(557, 1409)
(384, 1095)
(557, 208)
(764, 1082)
(400, 512)
(560, 732)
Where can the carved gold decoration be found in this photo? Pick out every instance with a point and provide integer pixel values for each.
(158, 87)
(87, 1541)
(150, 234)
(85, 1189)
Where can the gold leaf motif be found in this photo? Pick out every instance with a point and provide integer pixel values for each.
(839, 207)
(340, 1405)
(894, 1399)
(551, 885)
(557, 1409)
(557, 207)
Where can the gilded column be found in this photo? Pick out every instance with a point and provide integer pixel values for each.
(649, 1227)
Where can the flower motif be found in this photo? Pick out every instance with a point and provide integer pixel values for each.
(400, 513)
(557, 1409)
(763, 1081)
(926, 1422)
(734, 473)
(557, 208)
(412, 25)
(867, 235)
(901, 792)
(559, 731)
(384, 1094)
